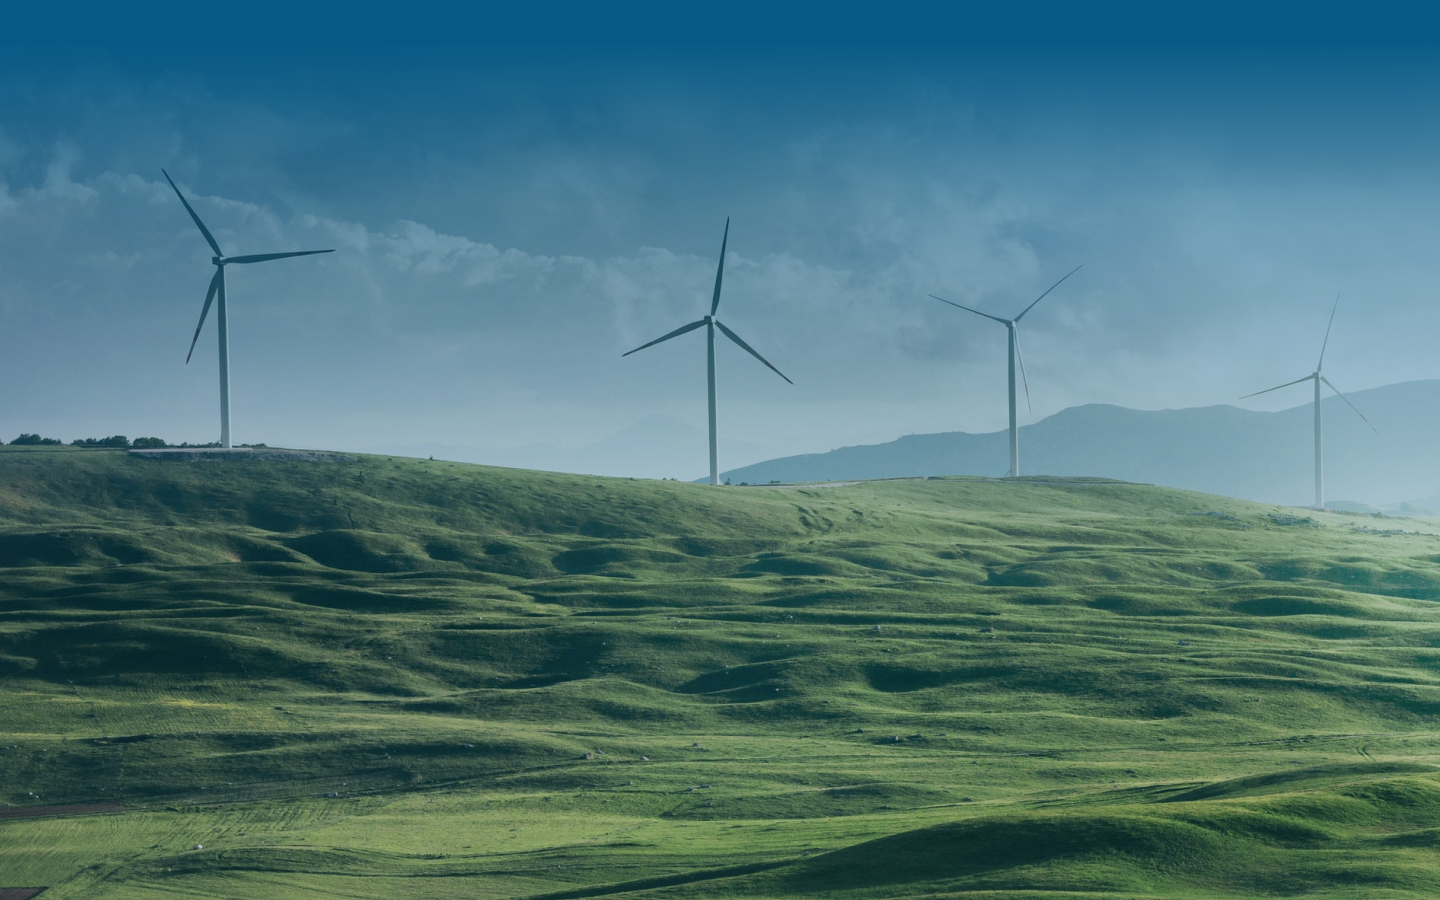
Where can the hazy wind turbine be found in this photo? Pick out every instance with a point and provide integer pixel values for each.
(710, 323)
(1012, 326)
(1317, 378)
(217, 288)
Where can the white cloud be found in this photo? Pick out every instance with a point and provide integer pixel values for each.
(58, 183)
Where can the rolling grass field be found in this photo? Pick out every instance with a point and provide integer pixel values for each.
(367, 677)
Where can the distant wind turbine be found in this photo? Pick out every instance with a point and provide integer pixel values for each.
(710, 323)
(1012, 326)
(1317, 378)
(217, 288)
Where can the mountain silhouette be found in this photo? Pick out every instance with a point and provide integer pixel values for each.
(1264, 456)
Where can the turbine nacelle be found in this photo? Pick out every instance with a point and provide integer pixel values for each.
(1319, 379)
(710, 322)
(1012, 328)
(217, 287)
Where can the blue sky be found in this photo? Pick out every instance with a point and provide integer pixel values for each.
(519, 195)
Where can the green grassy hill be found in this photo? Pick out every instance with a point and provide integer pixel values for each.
(363, 676)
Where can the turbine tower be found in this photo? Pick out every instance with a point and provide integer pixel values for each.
(1317, 377)
(217, 288)
(1012, 327)
(710, 323)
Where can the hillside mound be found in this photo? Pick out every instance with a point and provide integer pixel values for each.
(456, 677)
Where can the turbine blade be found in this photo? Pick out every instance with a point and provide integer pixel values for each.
(1052, 287)
(1348, 403)
(750, 350)
(676, 333)
(204, 311)
(1023, 380)
(1278, 387)
(209, 238)
(1327, 338)
(266, 257)
(720, 271)
(968, 309)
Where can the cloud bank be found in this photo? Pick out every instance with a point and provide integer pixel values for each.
(505, 233)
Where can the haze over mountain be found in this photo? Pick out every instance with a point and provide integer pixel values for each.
(1264, 456)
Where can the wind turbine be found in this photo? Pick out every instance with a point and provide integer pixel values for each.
(1317, 377)
(1012, 326)
(217, 288)
(710, 323)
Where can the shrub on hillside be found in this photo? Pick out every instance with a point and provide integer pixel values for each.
(33, 440)
(143, 443)
(115, 440)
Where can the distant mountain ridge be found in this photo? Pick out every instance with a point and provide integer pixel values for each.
(1264, 456)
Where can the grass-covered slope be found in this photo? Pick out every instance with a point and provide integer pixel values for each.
(367, 676)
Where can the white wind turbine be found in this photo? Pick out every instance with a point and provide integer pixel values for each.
(1317, 377)
(1012, 326)
(710, 323)
(217, 288)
